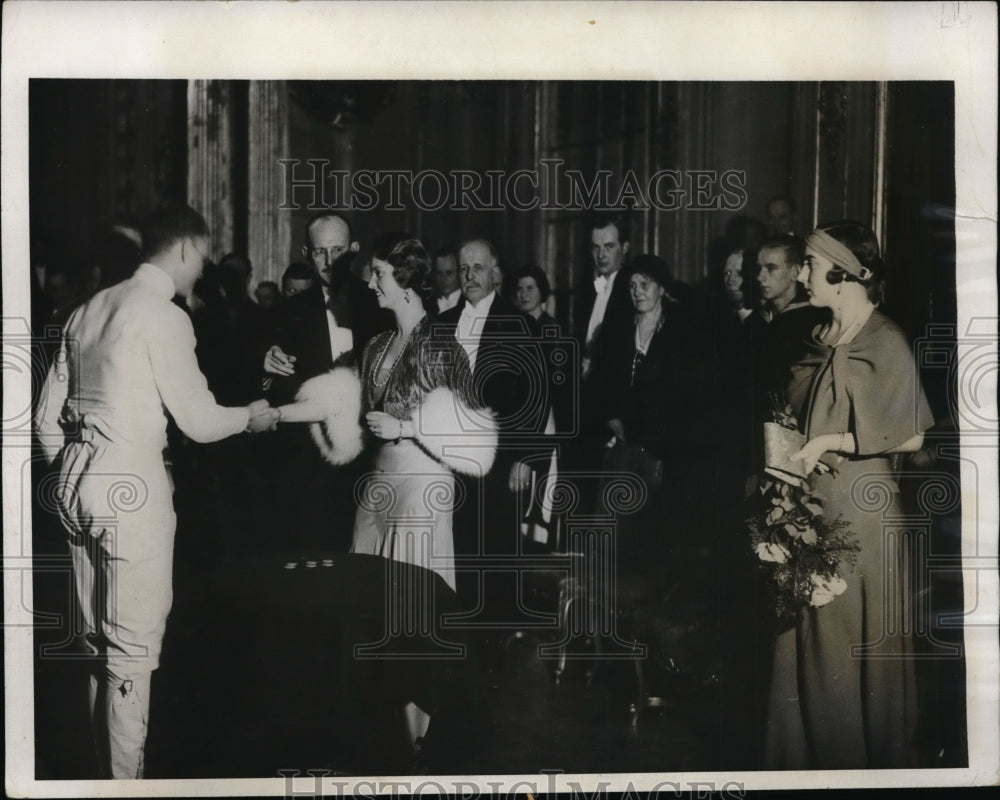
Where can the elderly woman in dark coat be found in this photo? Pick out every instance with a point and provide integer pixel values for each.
(652, 394)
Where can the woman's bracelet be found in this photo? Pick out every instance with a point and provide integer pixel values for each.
(843, 443)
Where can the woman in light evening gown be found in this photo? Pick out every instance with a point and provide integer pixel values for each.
(843, 686)
(417, 402)
(421, 408)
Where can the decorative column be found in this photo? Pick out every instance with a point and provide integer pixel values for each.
(210, 182)
(547, 251)
(840, 152)
(694, 150)
(881, 159)
(269, 228)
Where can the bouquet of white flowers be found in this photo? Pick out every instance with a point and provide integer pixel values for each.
(806, 554)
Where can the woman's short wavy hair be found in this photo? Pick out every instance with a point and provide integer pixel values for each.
(411, 265)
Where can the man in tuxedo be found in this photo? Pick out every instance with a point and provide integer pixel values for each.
(328, 324)
(606, 301)
(605, 307)
(508, 372)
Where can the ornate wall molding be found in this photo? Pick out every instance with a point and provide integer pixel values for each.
(850, 151)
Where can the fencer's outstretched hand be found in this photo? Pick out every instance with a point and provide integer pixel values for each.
(278, 362)
(262, 416)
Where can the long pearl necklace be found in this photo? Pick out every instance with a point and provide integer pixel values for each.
(381, 360)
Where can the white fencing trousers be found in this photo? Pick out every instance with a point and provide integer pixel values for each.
(119, 716)
(116, 504)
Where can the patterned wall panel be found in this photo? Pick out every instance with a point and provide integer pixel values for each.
(269, 229)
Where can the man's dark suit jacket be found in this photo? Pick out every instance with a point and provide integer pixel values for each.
(618, 316)
(508, 362)
(510, 378)
(431, 306)
(317, 499)
(302, 331)
(619, 310)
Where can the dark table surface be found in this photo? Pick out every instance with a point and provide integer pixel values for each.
(307, 661)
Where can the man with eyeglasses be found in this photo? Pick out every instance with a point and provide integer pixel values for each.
(324, 326)
(328, 323)
(126, 361)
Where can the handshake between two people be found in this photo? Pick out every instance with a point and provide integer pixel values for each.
(263, 417)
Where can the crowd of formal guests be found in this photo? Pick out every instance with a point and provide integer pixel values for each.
(443, 376)
(651, 364)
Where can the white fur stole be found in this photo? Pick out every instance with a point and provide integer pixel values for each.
(339, 435)
(462, 439)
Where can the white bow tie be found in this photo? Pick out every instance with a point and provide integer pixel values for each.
(601, 284)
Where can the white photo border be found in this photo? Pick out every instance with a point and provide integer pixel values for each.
(953, 41)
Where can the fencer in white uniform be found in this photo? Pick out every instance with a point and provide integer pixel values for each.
(127, 360)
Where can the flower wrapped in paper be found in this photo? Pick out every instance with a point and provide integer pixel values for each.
(805, 554)
(779, 443)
